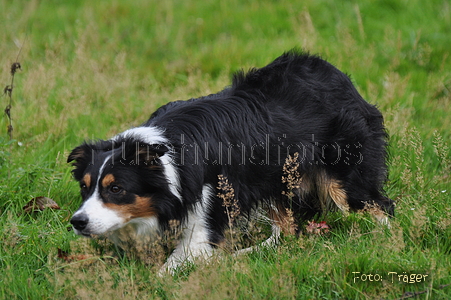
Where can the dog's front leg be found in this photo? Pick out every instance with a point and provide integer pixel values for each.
(194, 243)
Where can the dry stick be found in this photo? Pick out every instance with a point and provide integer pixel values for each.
(9, 92)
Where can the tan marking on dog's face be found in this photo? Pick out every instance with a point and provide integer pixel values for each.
(141, 208)
(107, 180)
(87, 180)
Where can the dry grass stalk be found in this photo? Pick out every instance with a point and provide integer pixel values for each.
(232, 209)
(8, 91)
(293, 180)
(292, 177)
(289, 224)
(227, 194)
(441, 149)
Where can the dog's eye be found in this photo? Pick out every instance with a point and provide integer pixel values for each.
(115, 189)
(83, 186)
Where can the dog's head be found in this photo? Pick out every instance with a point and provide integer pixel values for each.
(121, 181)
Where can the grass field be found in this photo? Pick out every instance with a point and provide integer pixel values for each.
(91, 69)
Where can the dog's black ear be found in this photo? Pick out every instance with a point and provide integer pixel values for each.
(158, 149)
(77, 153)
(80, 157)
(138, 153)
(85, 151)
(149, 154)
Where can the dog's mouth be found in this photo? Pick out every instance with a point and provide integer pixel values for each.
(91, 235)
(84, 234)
(88, 235)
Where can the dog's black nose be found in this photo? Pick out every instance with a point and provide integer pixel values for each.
(79, 221)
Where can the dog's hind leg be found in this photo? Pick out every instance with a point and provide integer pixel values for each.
(381, 209)
(272, 241)
(281, 220)
(331, 194)
(335, 191)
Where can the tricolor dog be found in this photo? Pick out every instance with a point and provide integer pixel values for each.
(167, 169)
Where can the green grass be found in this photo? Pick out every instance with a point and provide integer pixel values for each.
(91, 69)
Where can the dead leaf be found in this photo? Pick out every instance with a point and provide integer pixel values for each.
(39, 204)
(72, 257)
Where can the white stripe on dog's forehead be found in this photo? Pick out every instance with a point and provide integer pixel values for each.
(95, 194)
(102, 168)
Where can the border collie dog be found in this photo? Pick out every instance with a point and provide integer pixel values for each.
(297, 107)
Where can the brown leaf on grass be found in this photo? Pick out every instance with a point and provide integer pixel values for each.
(64, 255)
(39, 204)
(317, 228)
